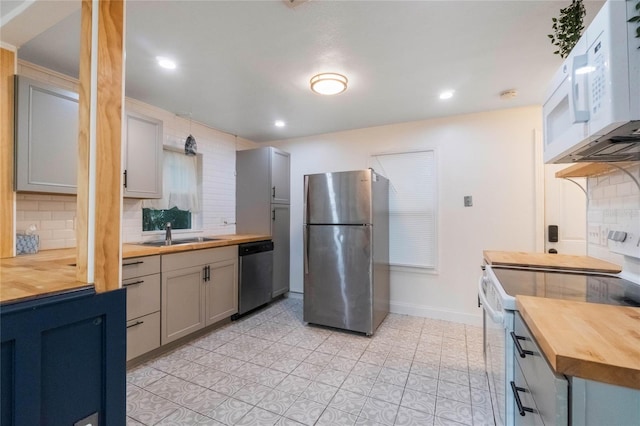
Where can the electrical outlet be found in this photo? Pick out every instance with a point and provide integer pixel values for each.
(468, 201)
(91, 420)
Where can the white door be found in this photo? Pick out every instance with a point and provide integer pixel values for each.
(566, 207)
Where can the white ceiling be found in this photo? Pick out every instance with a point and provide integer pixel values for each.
(244, 64)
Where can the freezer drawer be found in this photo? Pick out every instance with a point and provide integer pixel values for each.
(338, 277)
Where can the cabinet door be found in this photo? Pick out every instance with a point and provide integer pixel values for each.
(143, 157)
(46, 138)
(221, 292)
(280, 216)
(183, 310)
(280, 176)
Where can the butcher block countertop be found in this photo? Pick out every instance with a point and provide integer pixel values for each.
(586, 340)
(553, 261)
(53, 271)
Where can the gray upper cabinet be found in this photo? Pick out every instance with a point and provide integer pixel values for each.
(46, 137)
(280, 176)
(143, 157)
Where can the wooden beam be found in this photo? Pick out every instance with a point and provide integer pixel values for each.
(103, 164)
(7, 196)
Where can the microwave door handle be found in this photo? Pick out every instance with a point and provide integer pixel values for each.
(497, 317)
(579, 75)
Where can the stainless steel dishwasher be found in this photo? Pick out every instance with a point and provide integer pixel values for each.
(255, 275)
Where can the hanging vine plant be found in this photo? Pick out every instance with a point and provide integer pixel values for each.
(636, 18)
(567, 28)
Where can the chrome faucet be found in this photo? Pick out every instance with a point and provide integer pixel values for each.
(167, 237)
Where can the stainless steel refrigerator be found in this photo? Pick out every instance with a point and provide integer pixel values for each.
(346, 250)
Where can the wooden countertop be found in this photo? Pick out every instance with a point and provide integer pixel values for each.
(553, 261)
(587, 340)
(53, 271)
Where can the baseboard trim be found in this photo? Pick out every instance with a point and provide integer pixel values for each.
(435, 313)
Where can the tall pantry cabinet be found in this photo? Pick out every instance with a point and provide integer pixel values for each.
(262, 204)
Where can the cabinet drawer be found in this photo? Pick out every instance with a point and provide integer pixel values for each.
(143, 295)
(526, 399)
(550, 391)
(143, 335)
(188, 259)
(140, 266)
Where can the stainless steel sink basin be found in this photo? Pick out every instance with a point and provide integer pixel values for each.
(180, 241)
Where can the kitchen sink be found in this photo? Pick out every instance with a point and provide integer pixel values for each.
(180, 241)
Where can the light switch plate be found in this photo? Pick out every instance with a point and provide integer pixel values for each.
(91, 420)
(468, 201)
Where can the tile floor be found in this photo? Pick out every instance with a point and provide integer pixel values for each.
(271, 369)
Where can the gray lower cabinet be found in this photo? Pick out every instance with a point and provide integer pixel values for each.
(281, 253)
(550, 399)
(141, 279)
(199, 288)
(46, 137)
(142, 156)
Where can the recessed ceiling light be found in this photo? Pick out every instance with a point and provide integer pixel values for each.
(279, 123)
(166, 62)
(328, 83)
(448, 94)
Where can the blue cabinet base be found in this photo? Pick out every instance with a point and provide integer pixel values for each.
(62, 359)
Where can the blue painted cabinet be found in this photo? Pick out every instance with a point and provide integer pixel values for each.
(62, 358)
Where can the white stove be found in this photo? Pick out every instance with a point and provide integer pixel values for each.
(497, 289)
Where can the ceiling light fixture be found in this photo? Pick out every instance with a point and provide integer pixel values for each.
(446, 95)
(328, 83)
(166, 62)
(279, 123)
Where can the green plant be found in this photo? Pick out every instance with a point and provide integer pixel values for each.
(567, 28)
(636, 19)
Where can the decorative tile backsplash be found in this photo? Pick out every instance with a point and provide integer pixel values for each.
(614, 204)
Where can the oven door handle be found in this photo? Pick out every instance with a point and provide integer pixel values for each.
(497, 317)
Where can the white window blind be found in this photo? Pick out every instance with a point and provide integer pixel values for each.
(412, 207)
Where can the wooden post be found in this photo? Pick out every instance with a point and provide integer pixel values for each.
(99, 213)
(7, 196)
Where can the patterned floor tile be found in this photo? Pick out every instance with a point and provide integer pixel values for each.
(348, 401)
(205, 402)
(147, 408)
(230, 411)
(358, 384)
(454, 410)
(387, 392)
(144, 375)
(259, 417)
(184, 417)
(277, 401)
(293, 384)
(305, 411)
(433, 369)
(175, 389)
(379, 411)
(420, 401)
(334, 417)
(408, 417)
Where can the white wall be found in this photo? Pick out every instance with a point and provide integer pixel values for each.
(490, 156)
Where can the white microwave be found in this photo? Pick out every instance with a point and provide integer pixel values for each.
(592, 109)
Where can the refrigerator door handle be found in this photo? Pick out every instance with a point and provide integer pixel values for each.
(306, 199)
(305, 238)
